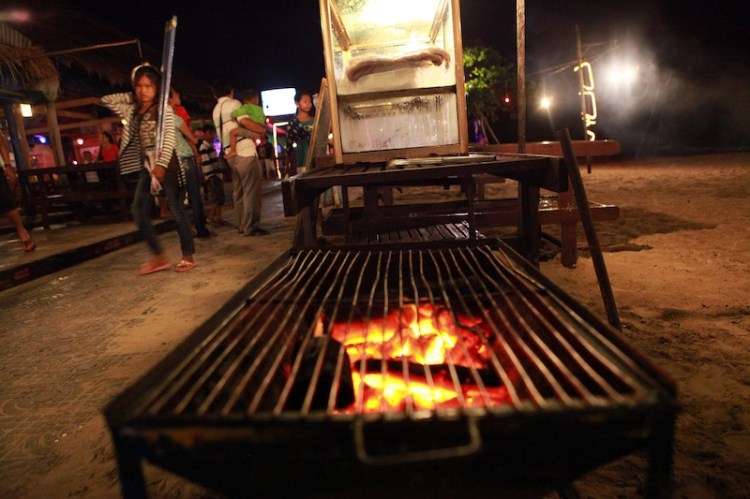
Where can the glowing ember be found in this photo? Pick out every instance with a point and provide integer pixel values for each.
(388, 356)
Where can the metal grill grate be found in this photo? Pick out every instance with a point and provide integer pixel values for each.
(279, 356)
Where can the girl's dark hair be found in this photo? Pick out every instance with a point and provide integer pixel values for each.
(151, 73)
(109, 137)
(301, 93)
(298, 97)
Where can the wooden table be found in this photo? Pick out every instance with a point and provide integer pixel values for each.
(533, 173)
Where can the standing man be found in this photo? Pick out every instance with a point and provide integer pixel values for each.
(247, 177)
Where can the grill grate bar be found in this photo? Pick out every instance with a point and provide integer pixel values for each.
(441, 266)
(280, 353)
(342, 274)
(181, 376)
(570, 341)
(265, 309)
(635, 379)
(194, 377)
(522, 313)
(302, 300)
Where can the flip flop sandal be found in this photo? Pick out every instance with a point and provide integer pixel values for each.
(150, 268)
(28, 245)
(184, 266)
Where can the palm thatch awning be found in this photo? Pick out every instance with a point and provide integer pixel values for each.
(34, 72)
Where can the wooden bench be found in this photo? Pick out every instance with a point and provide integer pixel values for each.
(67, 188)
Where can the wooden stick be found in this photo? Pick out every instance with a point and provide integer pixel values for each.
(584, 210)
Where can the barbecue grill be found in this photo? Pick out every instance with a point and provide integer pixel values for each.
(410, 370)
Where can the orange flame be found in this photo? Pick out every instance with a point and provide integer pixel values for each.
(418, 334)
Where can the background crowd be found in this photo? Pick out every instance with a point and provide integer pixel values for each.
(183, 166)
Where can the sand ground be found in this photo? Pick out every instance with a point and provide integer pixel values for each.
(678, 259)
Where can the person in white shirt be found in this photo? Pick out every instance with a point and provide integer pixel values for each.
(247, 177)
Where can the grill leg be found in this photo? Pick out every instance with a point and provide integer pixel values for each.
(132, 481)
(659, 478)
(569, 492)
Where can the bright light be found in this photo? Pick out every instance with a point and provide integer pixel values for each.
(79, 142)
(546, 102)
(26, 111)
(507, 99)
(278, 102)
(15, 15)
(390, 12)
(627, 75)
(41, 138)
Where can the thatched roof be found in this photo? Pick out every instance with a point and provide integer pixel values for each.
(54, 26)
(31, 70)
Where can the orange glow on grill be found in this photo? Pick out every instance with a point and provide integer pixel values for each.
(386, 354)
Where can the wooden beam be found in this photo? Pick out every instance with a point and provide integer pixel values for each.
(54, 132)
(80, 124)
(78, 102)
(76, 115)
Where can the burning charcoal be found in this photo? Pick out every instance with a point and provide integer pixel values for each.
(417, 371)
(304, 380)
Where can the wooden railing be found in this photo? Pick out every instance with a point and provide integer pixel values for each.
(71, 188)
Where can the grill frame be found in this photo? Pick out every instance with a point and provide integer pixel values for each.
(470, 445)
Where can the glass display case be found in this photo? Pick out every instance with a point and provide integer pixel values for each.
(395, 77)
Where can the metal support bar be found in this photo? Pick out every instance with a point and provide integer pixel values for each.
(588, 227)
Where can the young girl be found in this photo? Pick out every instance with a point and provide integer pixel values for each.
(300, 129)
(140, 110)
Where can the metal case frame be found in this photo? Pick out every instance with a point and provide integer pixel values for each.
(331, 22)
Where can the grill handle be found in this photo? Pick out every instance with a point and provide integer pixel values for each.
(472, 447)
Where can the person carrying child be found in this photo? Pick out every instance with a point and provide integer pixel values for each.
(252, 110)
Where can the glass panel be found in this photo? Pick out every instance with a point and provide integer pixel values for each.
(384, 124)
(383, 45)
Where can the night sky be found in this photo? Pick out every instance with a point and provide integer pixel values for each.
(693, 58)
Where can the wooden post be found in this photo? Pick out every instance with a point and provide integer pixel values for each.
(20, 151)
(568, 231)
(20, 145)
(54, 132)
(521, 54)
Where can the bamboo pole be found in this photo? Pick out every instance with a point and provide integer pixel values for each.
(584, 210)
(521, 54)
(83, 49)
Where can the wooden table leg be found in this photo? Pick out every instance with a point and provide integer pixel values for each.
(568, 230)
(305, 234)
(528, 223)
(470, 189)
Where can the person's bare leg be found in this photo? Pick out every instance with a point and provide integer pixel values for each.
(15, 218)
